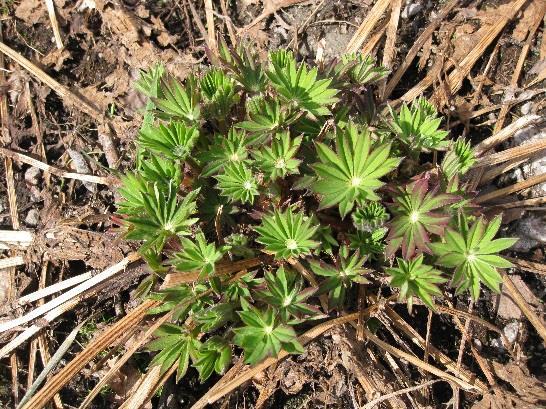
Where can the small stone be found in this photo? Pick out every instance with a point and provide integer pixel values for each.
(506, 308)
(33, 216)
(511, 331)
(531, 230)
(411, 9)
(527, 108)
(32, 176)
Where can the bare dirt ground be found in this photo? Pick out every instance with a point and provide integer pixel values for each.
(67, 106)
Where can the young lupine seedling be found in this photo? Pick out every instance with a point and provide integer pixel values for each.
(279, 165)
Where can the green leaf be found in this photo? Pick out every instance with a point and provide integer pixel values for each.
(351, 174)
(471, 251)
(237, 183)
(278, 160)
(213, 356)
(174, 141)
(286, 234)
(263, 335)
(197, 255)
(416, 279)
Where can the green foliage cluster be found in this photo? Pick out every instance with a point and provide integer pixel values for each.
(282, 160)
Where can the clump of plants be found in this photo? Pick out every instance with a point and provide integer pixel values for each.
(293, 165)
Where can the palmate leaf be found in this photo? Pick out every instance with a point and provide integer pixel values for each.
(163, 216)
(238, 183)
(149, 81)
(220, 92)
(286, 234)
(214, 355)
(283, 291)
(299, 85)
(175, 344)
(472, 252)
(178, 102)
(266, 115)
(262, 335)
(133, 188)
(351, 174)
(417, 127)
(197, 255)
(278, 160)
(214, 317)
(174, 141)
(243, 63)
(417, 212)
(369, 216)
(370, 243)
(416, 279)
(339, 278)
(157, 170)
(361, 69)
(459, 159)
(225, 150)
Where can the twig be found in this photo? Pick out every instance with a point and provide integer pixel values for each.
(54, 288)
(390, 43)
(211, 42)
(528, 265)
(108, 180)
(524, 184)
(270, 7)
(55, 359)
(11, 262)
(367, 26)
(81, 288)
(380, 399)
(18, 238)
(520, 152)
(54, 23)
(517, 297)
(421, 40)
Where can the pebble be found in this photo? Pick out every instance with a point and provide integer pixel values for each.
(531, 231)
(411, 9)
(33, 216)
(32, 176)
(511, 331)
(527, 108)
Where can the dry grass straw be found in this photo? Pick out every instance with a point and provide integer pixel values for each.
(530, 266)
(10, 239)
(9, 262)
(421, 40)
(366, 27)
(101, 180)
(524, 184)
(517, 153)
(54, 23)
(71, 294)
(389, 51)
(209, 14)
(518, 298)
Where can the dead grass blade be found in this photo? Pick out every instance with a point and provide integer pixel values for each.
(9, 262)
(54, 23)
(507, 132)
(388, 396)
(65, 93)
(461, 71)
(54, 288)
(15, 238)
(57, 356)
(101, 180)
(421, 40)
(516, 296)
(517, 153)
(44, 395)
(73, 293)
(362, 33)
(492, 173)
(221, 269)
(524, 184)
(34, 329)
(537, 201)
(468, 386)
(528, 265)
(209, 14)
(390, 43)
(435, 353)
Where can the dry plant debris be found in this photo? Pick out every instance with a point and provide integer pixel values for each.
(69, 112)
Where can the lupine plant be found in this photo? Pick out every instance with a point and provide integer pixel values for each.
(294, 167)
